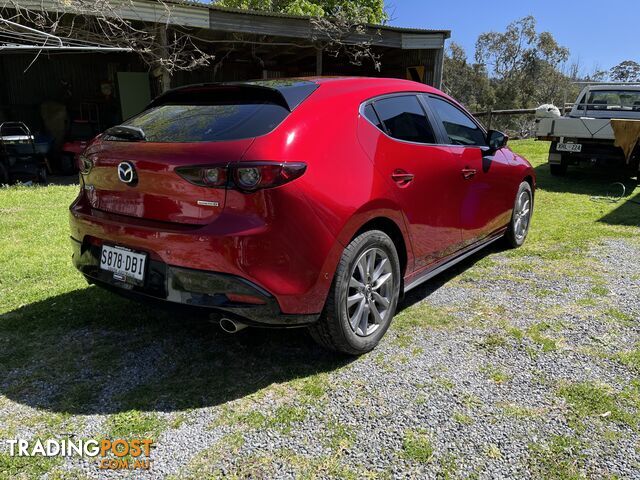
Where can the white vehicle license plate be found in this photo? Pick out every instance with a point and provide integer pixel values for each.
(569, 147)
(126, 265)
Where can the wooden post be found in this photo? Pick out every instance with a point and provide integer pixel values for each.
(490, 115)
(437, 68)
(165, 79)
(319, 61)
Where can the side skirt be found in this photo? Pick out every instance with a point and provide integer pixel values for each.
(429, 274)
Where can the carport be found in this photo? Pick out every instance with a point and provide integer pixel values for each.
(103, 83)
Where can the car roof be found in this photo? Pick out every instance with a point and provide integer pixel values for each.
(291, 92)
(398, 83)
(336, 83)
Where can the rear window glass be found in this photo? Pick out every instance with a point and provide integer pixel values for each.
(617, 100)
(209, 122)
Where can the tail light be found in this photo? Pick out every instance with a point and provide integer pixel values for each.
(246, 177)
(205, 176)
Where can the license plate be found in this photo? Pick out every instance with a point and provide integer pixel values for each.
(126, 265)
(569, 147)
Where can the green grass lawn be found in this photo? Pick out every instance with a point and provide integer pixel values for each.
(53, 326)
(565, 217)
(35, 256)
(42, 296)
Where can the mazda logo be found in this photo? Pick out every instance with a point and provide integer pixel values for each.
(127, 173)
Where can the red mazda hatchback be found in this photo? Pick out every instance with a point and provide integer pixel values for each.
(289, 203)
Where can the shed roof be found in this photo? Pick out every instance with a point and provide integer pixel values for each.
(264, 13)
(231, 20)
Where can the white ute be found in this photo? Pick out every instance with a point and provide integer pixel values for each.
(602, 127)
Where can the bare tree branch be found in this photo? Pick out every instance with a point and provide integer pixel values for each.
(342, 35)
(102, 21)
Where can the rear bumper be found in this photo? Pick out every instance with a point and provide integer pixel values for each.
(200, 291)
(284, 250)
(602, 151)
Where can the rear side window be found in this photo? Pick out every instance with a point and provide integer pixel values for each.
(403, 118)
(372, 116)
(209, 122)
(460, 129)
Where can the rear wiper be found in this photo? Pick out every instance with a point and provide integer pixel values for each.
(126, 132)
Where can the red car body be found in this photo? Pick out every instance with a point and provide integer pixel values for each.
(269, 256)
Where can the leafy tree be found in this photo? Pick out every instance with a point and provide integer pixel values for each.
(467, 83)
(627, 71)
(364, 11)
(524, 64)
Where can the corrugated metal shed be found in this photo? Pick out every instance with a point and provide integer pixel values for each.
(272, 45)
(261, 13)
(175, 13)
(193, 14)
(412, 41)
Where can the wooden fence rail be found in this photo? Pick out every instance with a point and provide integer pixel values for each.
(518, 111)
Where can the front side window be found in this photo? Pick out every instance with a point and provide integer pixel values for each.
(403, 118)
(460, 129)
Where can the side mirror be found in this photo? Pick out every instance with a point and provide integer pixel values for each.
(496, 139)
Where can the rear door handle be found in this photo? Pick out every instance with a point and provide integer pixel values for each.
(469, 173)
(402, 177)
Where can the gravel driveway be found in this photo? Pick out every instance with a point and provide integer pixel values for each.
(506, 367)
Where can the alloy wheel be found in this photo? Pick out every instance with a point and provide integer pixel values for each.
(522, 215)
(370, 292)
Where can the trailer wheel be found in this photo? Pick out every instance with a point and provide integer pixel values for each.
(4, 175)
(558, 169)
(67, 164)
(42, 176)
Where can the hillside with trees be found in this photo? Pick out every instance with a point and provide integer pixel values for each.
(520, 68)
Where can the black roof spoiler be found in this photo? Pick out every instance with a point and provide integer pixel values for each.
(288, 93)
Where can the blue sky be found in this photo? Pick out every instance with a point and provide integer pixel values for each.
(599, 33)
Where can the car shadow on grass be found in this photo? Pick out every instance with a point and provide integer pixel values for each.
(626, 213)
(587, 180)
(91, 352)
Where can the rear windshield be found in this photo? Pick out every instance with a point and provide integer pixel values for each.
(209, 122)
(616, 100)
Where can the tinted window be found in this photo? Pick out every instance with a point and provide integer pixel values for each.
(372, 116)
(404, 119)
(459, 127)
(209, 122)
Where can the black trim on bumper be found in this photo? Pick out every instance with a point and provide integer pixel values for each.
(201, 291)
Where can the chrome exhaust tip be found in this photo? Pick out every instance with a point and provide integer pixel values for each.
(231, 326)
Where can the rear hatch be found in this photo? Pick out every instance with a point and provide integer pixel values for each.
(131, 169)
(157, 191)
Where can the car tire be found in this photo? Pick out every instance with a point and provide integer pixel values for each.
(348, 323)
(520, 217)
(558, 169)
